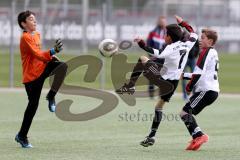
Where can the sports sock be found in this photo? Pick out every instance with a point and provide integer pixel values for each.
(156, 121)
(51, 94)
(137, 70)
(192, 126)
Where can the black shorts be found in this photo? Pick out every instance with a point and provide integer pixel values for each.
(167, 97)
(199, 100)
(152, 73)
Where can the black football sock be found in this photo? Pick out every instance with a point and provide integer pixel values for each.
(156, 121)
(137, 70)
(51, 94)
(192, 126)
(59, 73)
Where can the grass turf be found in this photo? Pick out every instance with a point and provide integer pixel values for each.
(228, 73)
(116, 135)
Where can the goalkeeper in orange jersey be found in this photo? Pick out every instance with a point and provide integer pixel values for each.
(37, 65)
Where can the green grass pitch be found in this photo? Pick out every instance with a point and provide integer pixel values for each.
(115, 136)
(229, 76)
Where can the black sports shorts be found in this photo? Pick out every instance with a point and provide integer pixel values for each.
(199, 100)
(152, 73)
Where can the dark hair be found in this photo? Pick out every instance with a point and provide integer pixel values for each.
(175, 32)
(194, 52)
(185, 35)
(23, 16)
(211, 34)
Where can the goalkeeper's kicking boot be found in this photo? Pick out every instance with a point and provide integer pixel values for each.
(23, 141)
(148, 141)
(196, 143)
(51, 104)
(126, 89)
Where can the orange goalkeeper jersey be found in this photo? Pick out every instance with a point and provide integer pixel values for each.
(34, 60)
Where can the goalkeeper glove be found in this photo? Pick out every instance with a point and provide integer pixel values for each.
(57, 47)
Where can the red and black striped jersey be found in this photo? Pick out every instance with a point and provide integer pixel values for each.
(205, 75)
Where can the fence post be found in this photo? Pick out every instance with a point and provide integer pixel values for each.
(103, 21)
(85, 6)
(43, 16)
(11, 49)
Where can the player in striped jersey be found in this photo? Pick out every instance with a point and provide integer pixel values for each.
(175, 55)
(205, 81)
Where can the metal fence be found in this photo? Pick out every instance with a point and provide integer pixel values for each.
(82, 26)
(83, 23)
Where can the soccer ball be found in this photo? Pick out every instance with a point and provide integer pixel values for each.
(108, 47)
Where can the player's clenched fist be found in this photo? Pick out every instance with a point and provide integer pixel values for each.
(179, 19)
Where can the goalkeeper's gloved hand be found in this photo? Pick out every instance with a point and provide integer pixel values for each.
(57, 47)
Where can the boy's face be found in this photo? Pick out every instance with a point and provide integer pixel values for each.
(162, 22)
(205, 42)
(30, 24)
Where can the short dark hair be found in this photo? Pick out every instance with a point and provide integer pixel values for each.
(211, 34)
(175, 32)
(23, 16)
(185, 35)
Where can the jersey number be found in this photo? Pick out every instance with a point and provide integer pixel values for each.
(217, 65)
(216, 69)
(182, 54)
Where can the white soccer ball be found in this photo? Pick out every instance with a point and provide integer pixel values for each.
(108, 47)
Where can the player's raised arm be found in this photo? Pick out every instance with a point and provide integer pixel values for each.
(149, 50)
(45, 56)
(184, 24)
(193, 36)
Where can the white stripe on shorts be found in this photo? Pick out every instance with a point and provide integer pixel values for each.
(154, 70)
(196, 101)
